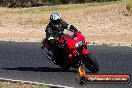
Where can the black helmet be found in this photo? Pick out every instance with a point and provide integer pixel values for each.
(55, 18)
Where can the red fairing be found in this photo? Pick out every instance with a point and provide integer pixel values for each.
(73, 43)
(60, 41)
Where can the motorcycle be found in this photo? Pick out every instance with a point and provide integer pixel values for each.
(70, 51)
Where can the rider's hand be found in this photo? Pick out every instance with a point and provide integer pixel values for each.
(50, 38)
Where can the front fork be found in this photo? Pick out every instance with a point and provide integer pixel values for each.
(83, 51)
(80, 53)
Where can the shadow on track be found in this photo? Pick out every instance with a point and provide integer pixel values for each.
(39, 69)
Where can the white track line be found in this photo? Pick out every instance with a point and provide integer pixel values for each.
(30, 82)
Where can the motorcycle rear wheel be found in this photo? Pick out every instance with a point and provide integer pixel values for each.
(90, 63)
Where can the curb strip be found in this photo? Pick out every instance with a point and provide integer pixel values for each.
(30, 82)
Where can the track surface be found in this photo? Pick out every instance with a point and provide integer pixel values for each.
(27, 61)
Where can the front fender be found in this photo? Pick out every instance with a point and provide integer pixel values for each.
(84, 52)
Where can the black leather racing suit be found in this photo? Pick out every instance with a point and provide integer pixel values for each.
(52, 30)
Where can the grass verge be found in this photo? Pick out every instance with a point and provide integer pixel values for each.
(50, 9)
(40, 15)
(20, 85)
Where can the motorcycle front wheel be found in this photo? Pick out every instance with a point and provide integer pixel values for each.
(90, 63)
(65, 67)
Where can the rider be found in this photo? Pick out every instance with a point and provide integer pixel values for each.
(56, 26)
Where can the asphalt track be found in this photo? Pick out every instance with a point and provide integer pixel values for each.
(27, 61)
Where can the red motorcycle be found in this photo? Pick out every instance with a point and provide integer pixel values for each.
(71, 51)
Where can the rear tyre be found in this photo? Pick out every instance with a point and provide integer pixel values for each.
(90, 63)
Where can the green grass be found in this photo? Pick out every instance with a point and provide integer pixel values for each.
(40, 15)
(57, 8)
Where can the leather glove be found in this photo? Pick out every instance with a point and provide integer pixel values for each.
(50, 38)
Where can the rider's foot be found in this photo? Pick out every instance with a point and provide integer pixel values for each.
(51, 57)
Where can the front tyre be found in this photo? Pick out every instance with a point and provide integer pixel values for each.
(90, 63)
(65, 67)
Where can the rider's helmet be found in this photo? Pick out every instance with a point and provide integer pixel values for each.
(55, 18)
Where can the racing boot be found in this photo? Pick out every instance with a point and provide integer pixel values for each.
(51, 58)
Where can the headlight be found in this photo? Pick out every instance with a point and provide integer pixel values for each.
(79, 43)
